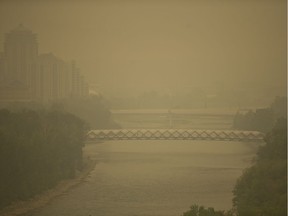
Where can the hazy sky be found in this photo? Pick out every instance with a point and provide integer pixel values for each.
(142, 45)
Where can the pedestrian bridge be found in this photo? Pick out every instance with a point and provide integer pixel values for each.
(175, 134)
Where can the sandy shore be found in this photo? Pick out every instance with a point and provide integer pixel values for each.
(24, 207)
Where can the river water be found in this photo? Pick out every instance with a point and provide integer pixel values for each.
(146, 178)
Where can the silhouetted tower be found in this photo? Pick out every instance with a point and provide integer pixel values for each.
(20, 53)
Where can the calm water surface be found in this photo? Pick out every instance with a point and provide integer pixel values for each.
(146, 178)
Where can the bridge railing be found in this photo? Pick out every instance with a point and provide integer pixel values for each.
(175, 134)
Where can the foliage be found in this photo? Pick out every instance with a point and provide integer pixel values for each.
(92, 110)
(37, 149)
(262, 189)
(279, 107)
(262, 119)
(196, 210)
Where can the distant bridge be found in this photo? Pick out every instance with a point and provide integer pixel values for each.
(175, 134)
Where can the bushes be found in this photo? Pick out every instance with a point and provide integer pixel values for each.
(37, 149)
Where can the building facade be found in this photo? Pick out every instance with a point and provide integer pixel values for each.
(26, 75)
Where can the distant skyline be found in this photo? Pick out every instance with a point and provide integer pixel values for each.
(129, 47)
(27, 75)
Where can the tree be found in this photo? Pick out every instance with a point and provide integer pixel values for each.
(262, 189)
(92, 110)
(37, 149)
(262, 119)
(196, 210)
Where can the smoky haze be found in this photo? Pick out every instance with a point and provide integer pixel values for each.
(131, 47)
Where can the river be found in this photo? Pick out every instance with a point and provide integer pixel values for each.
(148, 178)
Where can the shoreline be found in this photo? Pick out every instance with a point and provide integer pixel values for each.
(21, 208)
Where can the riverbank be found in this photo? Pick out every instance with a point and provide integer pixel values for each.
(21, 208)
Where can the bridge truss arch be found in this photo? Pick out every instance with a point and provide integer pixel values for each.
(175, 134)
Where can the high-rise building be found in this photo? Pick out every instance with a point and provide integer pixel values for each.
(25, 75)
(20, 54)
(79, 87)
(53, 79)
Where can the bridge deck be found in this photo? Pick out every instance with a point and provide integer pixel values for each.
(175, 134)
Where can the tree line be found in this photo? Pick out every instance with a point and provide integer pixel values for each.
(93, 109)
(262, 189)
(37, 149)
(261, 119)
